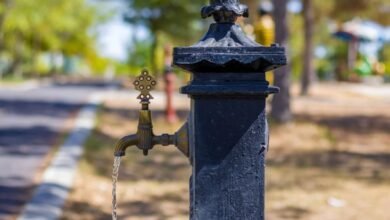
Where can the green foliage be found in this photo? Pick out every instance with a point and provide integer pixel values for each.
(178, 22)
(342, 11)
(139, 57)
(96, 63)
(140, 54)
(30, 28)
(170, 21)
(178, 19)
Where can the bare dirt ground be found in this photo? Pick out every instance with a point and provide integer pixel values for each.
(331, 163)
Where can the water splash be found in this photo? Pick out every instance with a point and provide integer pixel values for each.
(115, 173)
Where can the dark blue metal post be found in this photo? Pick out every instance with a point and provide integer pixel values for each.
(227, 126)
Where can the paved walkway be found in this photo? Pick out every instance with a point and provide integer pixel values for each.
(31, 122)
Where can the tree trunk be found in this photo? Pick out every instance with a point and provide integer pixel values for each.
(281, 102)
(308, 75)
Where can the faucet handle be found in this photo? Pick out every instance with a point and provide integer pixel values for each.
(145, 83)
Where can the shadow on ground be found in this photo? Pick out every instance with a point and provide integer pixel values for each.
(44, 108)
(289, 212)
(356, 124)
(80, 209)
(352, 152)
(153, 207)
(372, 167)
(13, 197)
(30, 141)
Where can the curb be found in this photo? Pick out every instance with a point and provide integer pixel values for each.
(50, 196)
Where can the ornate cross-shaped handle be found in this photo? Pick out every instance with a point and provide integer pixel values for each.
(145, 83)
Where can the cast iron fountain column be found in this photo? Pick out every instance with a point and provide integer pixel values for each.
(228, 131)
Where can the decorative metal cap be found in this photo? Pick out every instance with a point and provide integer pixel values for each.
(225, 33)
(145, 83)
(225, 47)
(225, 11)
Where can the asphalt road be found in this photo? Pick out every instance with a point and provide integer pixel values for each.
(31, 122)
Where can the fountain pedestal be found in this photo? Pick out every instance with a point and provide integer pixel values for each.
(227, 125)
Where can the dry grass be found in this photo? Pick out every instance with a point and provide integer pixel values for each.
(330, 164)
(308, 171)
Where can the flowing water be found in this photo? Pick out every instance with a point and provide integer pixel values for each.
(115, 172)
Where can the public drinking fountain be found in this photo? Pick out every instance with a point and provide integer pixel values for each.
(226, 135)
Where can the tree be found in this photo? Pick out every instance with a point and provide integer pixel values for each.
(4, 7)
(177, 21)
(281, 102)
(308, 74)
(29, 29)
(319, 11)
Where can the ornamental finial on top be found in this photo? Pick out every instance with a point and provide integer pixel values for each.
(225, 11)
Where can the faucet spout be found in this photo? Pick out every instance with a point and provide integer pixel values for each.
(145, 139)
(124, 143)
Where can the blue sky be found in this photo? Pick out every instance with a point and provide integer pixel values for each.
(114, 37)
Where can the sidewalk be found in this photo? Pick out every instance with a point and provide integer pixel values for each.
(57, 181)
(33, 119)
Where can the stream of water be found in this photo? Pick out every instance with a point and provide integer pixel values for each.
(115, 172)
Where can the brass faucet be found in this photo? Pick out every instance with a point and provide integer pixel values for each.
(145, 139)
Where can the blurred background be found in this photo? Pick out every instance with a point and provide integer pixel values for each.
(349, 42)
(330, 125)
